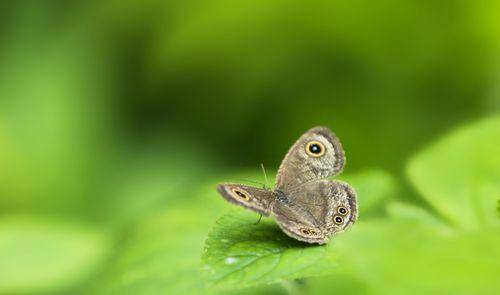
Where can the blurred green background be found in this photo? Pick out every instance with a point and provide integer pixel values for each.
(117, 119)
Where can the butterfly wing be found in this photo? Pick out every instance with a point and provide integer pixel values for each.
(333, 203)
(298, 223)
(255, 199)
(317, 154)
(318, 210)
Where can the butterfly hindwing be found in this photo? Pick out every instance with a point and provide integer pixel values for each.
(317, 210)
(298, 223)
(333, 203)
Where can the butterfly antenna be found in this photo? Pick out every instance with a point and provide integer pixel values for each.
(265, 175)
(258, 221)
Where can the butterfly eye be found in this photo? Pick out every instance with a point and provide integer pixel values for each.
(338, 220)
(242, 195)
(342, 210)
(315, 149)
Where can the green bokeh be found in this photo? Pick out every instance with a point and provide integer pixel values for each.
(118, 118)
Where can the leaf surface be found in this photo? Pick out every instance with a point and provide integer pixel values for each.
(460, 174)
(241, 253)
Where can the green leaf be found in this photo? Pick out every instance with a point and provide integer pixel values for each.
(414, 253)
(240, 253)
(407, 212)
(460, 174)
(162, 254)
(40, 255)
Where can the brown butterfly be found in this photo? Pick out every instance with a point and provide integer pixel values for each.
(306, 206)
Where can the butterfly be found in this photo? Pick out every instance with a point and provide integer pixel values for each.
(306, 206)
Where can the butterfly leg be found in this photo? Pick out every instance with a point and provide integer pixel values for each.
(258, 221)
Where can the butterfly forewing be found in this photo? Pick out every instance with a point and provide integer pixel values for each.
(317, 154)
(256, 199)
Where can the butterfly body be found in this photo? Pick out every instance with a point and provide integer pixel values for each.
(306, 206)
(280, 196)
